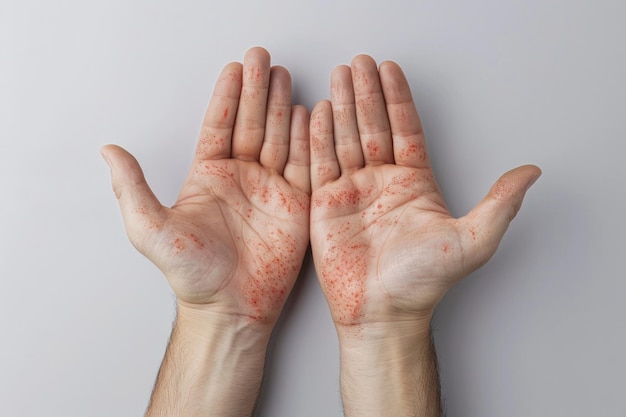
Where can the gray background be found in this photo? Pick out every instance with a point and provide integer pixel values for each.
(84, 319)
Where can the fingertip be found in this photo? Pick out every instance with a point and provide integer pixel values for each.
(515, 181)
(104, 153)
(256, 57)
(231, 73)
(258, 51)
(280, 71)
(300, 117)
(299, 150)
(321, 109)
(362, 59)
(340, 72)
(389, 66)
(115, 155)
(537, 172)
(341, 68)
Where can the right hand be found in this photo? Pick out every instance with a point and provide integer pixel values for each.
(235, 239)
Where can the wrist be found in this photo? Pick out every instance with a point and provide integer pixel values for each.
(384, 345)
(213, 365)
(389, 369)
(205, 326)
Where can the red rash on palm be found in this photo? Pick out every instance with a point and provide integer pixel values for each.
(343, 273)
(180, 243)
(349, 250)
(272, 260)
(372, 148)
(276, 197)
(273, 265)
(323, 170)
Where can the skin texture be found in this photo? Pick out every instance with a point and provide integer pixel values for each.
(385, 247)
(232, 245)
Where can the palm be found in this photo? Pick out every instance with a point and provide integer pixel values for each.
(237, 227)
(236, 237)
(387, 219)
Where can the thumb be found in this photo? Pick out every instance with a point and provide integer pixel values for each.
(139, 206)
(488, 221)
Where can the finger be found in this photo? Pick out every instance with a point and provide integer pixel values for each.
(324, 164)
(140, 208)
(409, 146)
(250, 121)
(371, 112)
(297, 170)
(346, 131)
(217, 127)
(486, 223)
(275, 147)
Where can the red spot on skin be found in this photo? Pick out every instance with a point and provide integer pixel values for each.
(360, 79)
(318, 144)
(473, 233)
(150, 222)
(209, 143)
(344, 197)
(402, 185)
(323, 170)
(274, 269)
(341, 116)
(413, 151)
(343, 275)
(234, 77)
(366, 108)
(179, 245)
(277, 199)
(216, 172)
(195, 239)
(445, 248)
(225, 115)
(372, 148)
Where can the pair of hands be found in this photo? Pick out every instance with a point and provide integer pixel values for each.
(353, 179)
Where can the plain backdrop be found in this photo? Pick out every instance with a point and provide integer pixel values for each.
(84, 318)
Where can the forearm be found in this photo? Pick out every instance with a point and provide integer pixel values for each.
(213, 366)
(389, 370)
